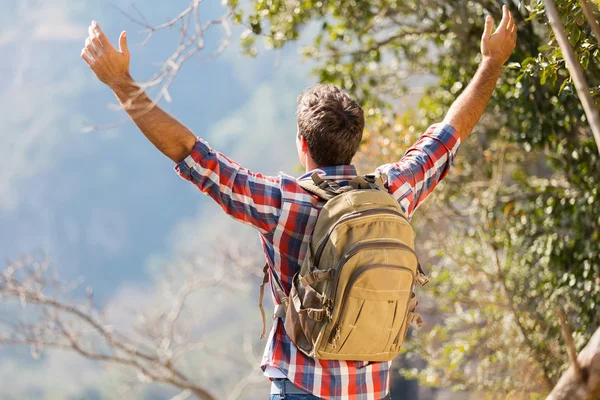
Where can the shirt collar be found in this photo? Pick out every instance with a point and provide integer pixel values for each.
(335, 172)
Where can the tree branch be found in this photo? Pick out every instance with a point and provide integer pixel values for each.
(60, 324)
(571, 386)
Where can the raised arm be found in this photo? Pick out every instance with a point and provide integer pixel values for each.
(111, 66)
(496, 48)
(412, 179)
(248, 197)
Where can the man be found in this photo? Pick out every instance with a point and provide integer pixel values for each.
(330, 127)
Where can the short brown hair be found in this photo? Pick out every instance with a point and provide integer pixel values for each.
(332, 124)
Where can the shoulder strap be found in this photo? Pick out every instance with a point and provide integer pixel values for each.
(369, 182)
(280, 294)
(314, 189)
(327, 189)
(323, 188)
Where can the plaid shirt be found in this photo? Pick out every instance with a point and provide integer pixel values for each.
(285, 216)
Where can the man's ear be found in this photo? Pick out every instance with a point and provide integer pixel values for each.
(303, 144)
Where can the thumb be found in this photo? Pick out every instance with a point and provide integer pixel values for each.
(123, 43)
(489, 25)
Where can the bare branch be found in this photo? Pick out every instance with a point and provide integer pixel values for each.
(591, 19)
(571, 349)
(182, 396)
(55, 322)
(253, 377)
(191, 43)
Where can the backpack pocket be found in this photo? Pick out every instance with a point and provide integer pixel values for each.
(304, 315)
(372, 314)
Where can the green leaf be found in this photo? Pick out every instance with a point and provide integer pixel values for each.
(575, 35)
(527, 61)
(564, 84)
(543, 76)
(256, 26)
(532, 16)
(585, 61)
(519, 78)
(237, 18)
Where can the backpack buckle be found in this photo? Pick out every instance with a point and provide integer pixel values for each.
(423, 279)
(416, 318)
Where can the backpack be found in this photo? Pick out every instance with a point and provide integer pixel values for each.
(353, 297)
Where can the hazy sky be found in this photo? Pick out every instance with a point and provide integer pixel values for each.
(104, 204)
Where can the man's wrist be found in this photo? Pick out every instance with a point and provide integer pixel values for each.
(123, 84)
(126, 90)
(491, 64)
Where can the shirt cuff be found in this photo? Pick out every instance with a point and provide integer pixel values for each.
(446, 135)
(199, 152)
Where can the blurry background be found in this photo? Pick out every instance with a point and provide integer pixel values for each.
(85, 196)
(104, 204)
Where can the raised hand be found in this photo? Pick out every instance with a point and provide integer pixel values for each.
(498, 47)
(110, 65)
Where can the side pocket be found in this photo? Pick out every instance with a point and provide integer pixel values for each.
(304, 316)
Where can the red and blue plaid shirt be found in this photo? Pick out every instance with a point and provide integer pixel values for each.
(285, 216)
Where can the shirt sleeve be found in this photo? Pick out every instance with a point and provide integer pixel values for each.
(248, 197)
(422, 167)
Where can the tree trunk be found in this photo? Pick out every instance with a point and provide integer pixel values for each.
(585, 385)
(591, 18)
(583, 90)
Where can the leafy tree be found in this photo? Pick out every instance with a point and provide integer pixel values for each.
(518, 221)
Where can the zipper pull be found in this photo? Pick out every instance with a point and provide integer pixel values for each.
(335, 336)
(328, 305)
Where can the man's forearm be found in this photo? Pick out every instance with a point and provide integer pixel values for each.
(169, 136)
(467, 109)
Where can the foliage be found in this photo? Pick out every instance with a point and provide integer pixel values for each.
(518, 220)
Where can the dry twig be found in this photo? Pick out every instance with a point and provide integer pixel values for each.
(191, 43)
(51, 319)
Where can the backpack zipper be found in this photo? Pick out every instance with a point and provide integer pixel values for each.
(364, 245)
(325, 239)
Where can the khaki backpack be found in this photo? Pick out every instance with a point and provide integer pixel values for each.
(353, 297)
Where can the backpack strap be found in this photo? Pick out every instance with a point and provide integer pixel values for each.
(323, 188)
(311, 188)
(422, 278)
(413, 316)
(327, 189)
(318, 275)
(261, 295)
(279, 308)
(369, 182)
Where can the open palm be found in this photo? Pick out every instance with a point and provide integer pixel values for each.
(110, 65)
(498, 46)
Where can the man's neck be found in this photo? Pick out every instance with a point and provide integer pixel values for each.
(310, 165)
